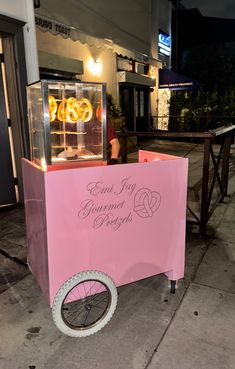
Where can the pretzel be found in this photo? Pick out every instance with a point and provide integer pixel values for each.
(98, 113)
(71, 110)
(61, 113)
(52, 107)
(85, 108)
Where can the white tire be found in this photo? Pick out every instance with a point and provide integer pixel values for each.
(84, 304)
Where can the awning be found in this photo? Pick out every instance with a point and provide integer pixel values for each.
(46, 24)
(176, 81)
(59, 63)
(134, 78)
(82, 20)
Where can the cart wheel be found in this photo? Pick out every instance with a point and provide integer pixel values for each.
(84, 304)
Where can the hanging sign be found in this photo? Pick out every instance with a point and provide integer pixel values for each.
(164, 43)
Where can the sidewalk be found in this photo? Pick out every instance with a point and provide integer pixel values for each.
(151, 328)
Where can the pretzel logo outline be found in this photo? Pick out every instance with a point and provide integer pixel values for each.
(146, 202)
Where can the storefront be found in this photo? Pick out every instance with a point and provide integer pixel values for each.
(118, 55)
(171, 81)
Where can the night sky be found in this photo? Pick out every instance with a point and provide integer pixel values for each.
(213, 8)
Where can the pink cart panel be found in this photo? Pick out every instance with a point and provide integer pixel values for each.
(127, 221)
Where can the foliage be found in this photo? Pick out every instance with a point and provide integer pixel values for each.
(113, 110)
(199, 111)
(214, 104)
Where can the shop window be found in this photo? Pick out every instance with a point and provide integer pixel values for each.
(128, 65)
(124, 64)
(141, 68)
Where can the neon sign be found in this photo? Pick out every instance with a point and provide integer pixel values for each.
(164, 43)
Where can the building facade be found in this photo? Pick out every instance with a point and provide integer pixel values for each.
(93, 41)
(102, 41)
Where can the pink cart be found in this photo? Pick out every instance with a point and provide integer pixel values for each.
(93, 229)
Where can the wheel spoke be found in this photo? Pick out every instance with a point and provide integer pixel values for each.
(100, 286)
(97, 307)
(77, 289)
(88, 312)
(75, 311)
(74, 316)
(71, 293)
(100, 301)
(91, 288)
(83, 284)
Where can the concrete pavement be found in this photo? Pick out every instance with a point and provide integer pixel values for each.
(151, 328)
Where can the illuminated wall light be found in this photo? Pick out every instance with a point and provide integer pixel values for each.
(95, 67)
(152, 73)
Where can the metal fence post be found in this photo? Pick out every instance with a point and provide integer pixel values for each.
(225, 162)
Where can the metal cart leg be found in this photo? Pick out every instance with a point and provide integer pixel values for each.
(173, 285)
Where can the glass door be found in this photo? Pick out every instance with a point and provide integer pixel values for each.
(127, 106)
(135, 105)
(142, 110)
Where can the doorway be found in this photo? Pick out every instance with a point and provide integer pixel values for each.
(135, 105)
(14, 142)
(8, 192)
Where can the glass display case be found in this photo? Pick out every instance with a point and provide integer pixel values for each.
(67, 121)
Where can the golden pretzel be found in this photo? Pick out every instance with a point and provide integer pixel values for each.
(68, 110)
(71, 110)
(52, 107)
(98, 113)
(85, 109)
(61, 113)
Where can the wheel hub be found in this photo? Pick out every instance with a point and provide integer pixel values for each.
(88, 307)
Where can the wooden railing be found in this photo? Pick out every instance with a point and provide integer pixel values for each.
(220, 164)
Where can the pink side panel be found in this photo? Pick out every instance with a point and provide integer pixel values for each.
(147, 156)
(35, 212)
(127, 221)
